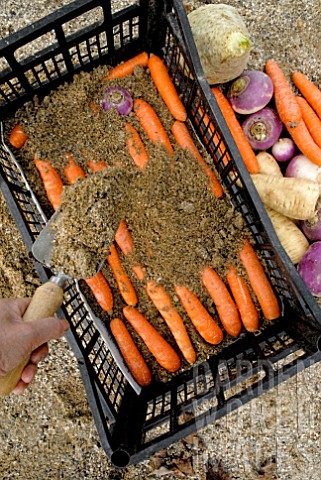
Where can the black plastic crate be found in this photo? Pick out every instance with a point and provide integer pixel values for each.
(132, 424)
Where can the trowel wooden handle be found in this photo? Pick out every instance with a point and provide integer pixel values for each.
(45, 302)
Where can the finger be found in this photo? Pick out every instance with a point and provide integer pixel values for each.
(39, 354)
(22, 304)
(20, 388)
(29, 373)
(41, 331)
(19, 304)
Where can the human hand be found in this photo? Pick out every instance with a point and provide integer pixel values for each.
(20, 339)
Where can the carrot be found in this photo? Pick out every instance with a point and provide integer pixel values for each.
(157, 345)
(94, 107)
(18, 137)
(127, 67)
(151, 124)
(51, 180)
(223, 301)
(124, 240)
(285, 102)
(130, 352)
(259, 282)
(185, 141)
(166, 88)
(310, 91)
(305, 143)
(72, 171)
(311, 120)
(138, 271)
(240, 139)
(163, 303)
(96, 166)
(201, 319)
(101, 291)
(124, 284)
(243, 300)
(136, 147)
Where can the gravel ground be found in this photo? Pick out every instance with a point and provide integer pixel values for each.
(49, 431)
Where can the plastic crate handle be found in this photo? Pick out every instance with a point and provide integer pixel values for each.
(44, 303)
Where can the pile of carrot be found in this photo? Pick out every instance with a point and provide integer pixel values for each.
(300, 115)
(234, 297)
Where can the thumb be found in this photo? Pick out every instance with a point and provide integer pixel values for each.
(46, 329)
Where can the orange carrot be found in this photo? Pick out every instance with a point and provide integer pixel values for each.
(72, 171)
(101, 291)
(259, 282)
(157, 345)
(243, 300)
(125, 242)
(94, 107)
(311, 120)
(136, 147)
(96, 166)
(223, 301)
(305, 143)
(163, 303)
(51, 180)
(130, 352)
(127, 67)
(166, 87)
(185, 141)
(151, 124)
(18, 137)
(124, 284)
(286, 105)
(201, 319)
(139, 272)
(237, 133)
(124, 239)
(310, 91)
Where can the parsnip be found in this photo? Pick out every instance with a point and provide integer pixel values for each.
(268, 165)
(291, 237)
(293, 197)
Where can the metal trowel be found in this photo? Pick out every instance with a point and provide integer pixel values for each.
(46, 301)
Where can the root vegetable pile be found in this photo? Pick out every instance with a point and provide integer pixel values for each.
(134, 189)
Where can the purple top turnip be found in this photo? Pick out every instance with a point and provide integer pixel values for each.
(119, 98)
(283, 149)
(263, 128)
(250, 92)
(309, 268)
